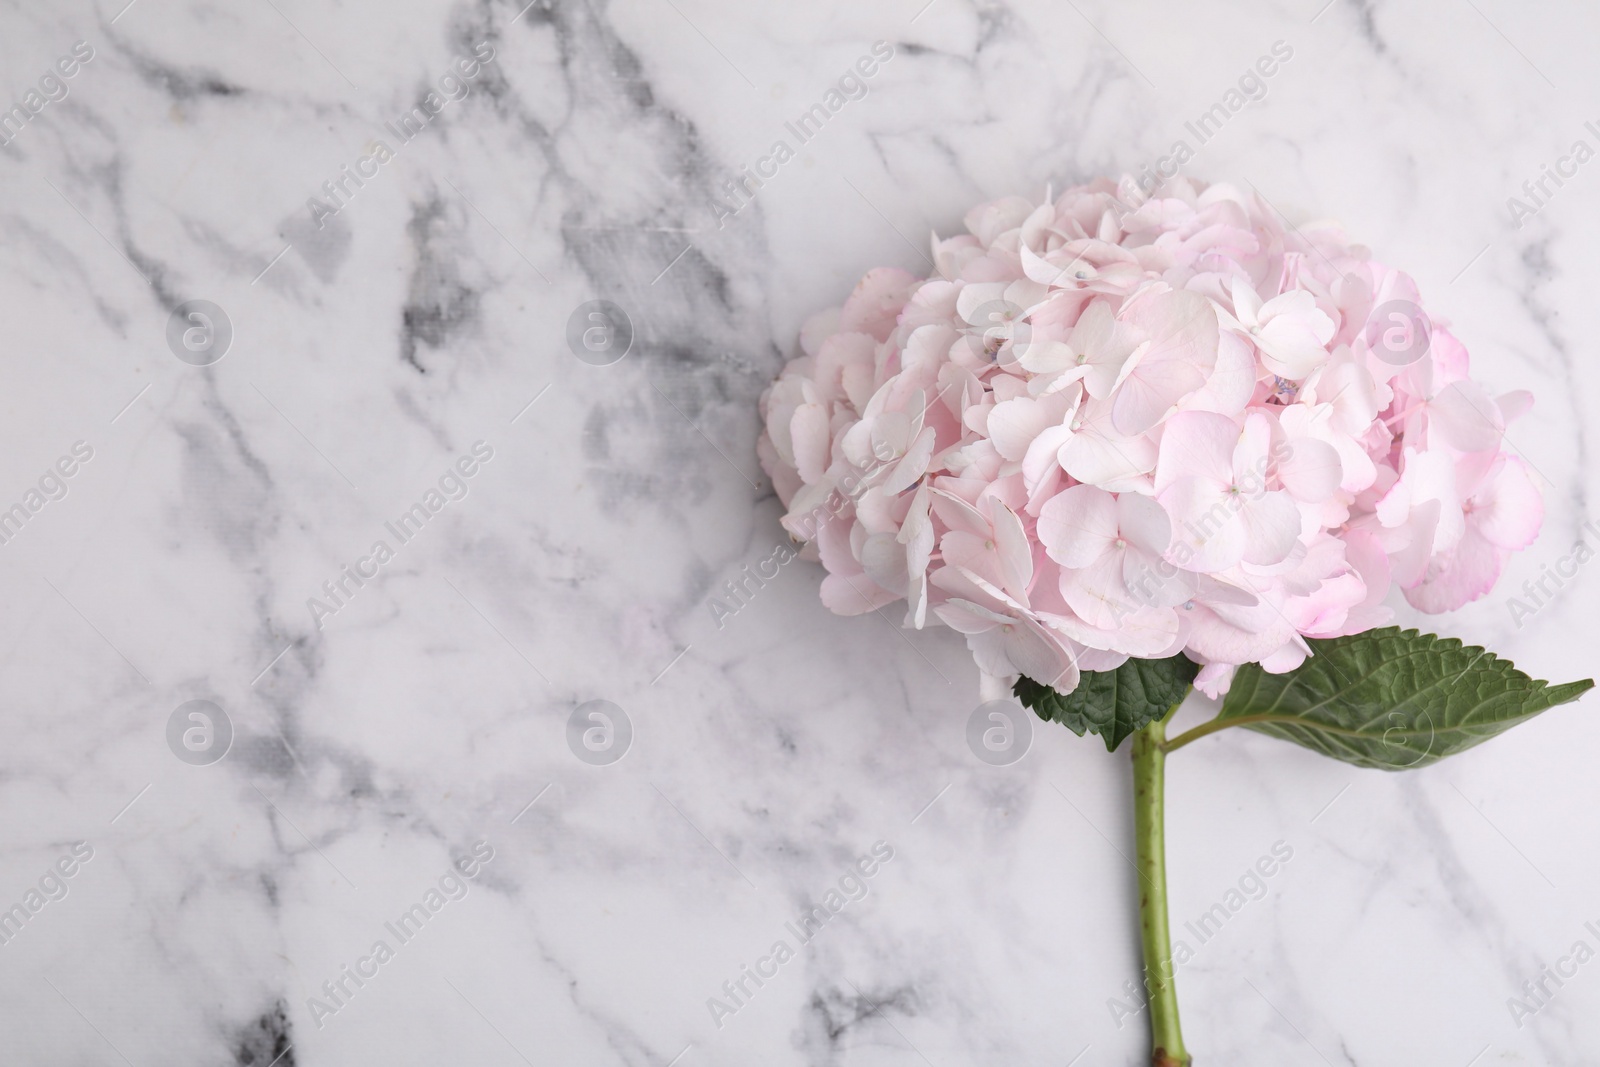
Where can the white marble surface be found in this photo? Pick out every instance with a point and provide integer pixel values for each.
(428, 712)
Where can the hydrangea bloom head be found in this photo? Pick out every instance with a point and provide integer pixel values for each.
(1102, 431)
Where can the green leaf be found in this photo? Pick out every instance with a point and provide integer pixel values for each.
(1113, 704)
(1388, 698)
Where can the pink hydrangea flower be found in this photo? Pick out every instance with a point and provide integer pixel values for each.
(1113, 427)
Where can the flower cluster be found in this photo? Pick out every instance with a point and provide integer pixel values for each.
(1103, 431)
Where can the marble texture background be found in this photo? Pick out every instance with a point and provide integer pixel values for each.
(430, 712)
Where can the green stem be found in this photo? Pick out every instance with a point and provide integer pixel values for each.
(1212, 727)
(1149, 787)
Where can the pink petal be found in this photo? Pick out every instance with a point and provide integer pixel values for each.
(1514, 405)
(1047, 357)
(1013, 552)
(989, 220)
(1013, 424)
(1233, 380)
(1139, 632)
(1147, 395)
(1312, 470)
(976, 298)
(1115, 463)
(1272, 526)
(841, 353)
(1366, 557)
(913, 465)
(1460, 576)
(1077, 525)
(1143, 522)
(808, 431)
(1154, 581)
(854, 596)
(1205, 524)
(1428, 477)
(1215, 679)
(1105, 344)
(875, 305)
(1197, 444)
(1464, 416)
(957, 514)
(1249, 462)
(1301, 306)
(971, 552)
(1322, 612)
(883, 559)
(965, 617)
(1290, 349)
(1509, 510)
(1246, 302)
(1285, 659)
(1182, 350)
(1041, 467)
(1029, 652)
(1096, 593)
(1092, 659)
(1409, 563)
(1219, 641)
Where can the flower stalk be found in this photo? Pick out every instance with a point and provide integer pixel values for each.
(1149, 828)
